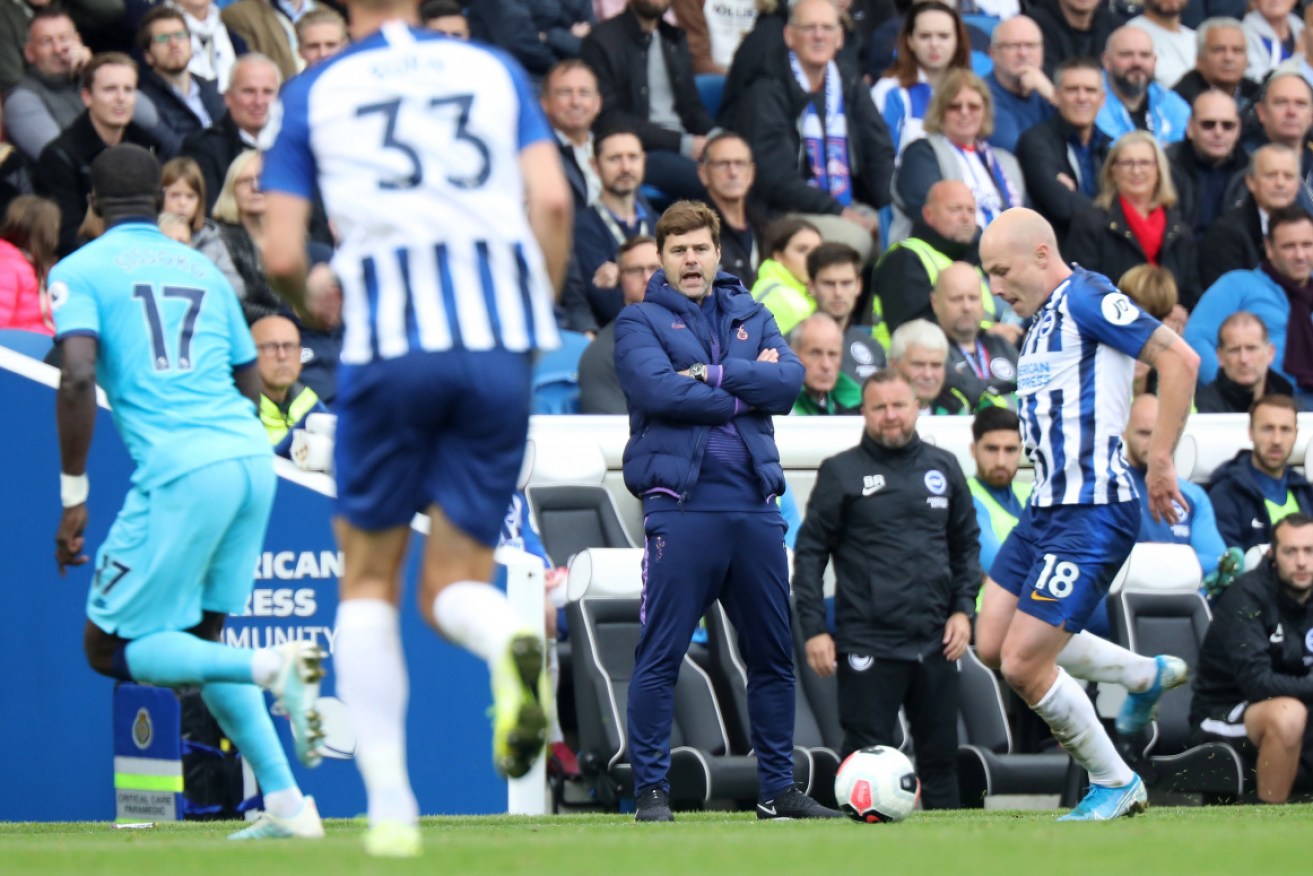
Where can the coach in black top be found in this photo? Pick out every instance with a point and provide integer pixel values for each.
(897, 517)
(1253, 681)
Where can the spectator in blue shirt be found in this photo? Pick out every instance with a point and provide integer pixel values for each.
(619, 213)
(1197, 526)
(1023, 95)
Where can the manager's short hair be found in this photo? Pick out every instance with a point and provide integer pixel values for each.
(683, 217)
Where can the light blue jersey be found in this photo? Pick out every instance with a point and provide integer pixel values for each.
(414, 141)
(1196, 523)
(1074, 391)
(170, 333)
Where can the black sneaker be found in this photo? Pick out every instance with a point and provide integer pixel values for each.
(794, 804)
(653, 805)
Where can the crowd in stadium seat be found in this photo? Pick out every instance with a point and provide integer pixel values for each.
(852, 149)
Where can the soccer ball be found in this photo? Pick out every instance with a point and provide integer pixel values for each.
(876, 785)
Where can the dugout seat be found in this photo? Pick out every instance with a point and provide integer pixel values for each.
(1174, 622)
(711, 89)
(986, 761)
(571, 508)
(1159, 567)
(1255, 555)
(814, 764)
(603, 589)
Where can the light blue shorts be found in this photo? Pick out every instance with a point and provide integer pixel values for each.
(186, 547)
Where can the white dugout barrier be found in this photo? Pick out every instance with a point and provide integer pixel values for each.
(569, 442)
(590, 449)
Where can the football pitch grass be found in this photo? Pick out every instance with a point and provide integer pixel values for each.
(1240, 841)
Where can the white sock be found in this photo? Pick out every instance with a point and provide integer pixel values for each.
(554, 733)
(371, 680)
(1067, 709)
(265, 665)
(1094, 659)
(476, 616)
(284, 803)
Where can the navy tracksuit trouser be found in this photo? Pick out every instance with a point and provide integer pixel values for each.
(690, 559)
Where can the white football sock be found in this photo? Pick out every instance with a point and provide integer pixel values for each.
(554, 733)
(1094, 659)
(265, 666)
(478, 617)
(371, 680)
(1070, 714)
(284, 803)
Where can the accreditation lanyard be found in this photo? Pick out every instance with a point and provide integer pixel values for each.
(979, 359)
(613, 224)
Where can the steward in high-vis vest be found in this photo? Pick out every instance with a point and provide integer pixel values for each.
(782, 278)
(911, 267)
(1259, 487)
(284, 400)
(944, 233)
(997, 494)
(279, 419)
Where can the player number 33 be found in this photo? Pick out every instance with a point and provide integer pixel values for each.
(390, 109)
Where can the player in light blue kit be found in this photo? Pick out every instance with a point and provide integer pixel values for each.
(160, 328)
(443, 183)
(1074, 388)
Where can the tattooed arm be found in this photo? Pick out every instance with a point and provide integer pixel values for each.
(1177, 366)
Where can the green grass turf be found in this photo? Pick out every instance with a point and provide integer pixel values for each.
(1239, 841)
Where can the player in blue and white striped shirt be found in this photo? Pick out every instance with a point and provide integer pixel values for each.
(428, 152)
(1074, 386)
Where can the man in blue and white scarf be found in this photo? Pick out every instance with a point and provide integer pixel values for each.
(822, 149)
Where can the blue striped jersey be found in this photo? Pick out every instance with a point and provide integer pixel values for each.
(413, 141)
(1074, 387)
(170, 332)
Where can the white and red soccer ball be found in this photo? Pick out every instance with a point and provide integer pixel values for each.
(877, 785)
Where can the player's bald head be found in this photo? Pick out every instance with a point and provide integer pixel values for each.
(1144, 408)
(1016, 230)
(1019, 254)
(1139, 429)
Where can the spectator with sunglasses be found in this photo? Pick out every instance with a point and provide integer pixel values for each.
(1208, 165)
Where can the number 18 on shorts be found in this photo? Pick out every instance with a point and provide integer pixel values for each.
(1060, 561)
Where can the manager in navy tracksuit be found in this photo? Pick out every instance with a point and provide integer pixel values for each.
(704, 367)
